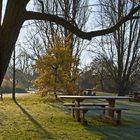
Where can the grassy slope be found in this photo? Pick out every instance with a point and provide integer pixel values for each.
(33, 119)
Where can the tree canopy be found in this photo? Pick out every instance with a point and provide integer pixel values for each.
(54, 69)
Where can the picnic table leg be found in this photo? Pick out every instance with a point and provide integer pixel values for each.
(118, 116)
(111, 104)
(77, 112)
(83, 121)
(104, 112)
(73, 115)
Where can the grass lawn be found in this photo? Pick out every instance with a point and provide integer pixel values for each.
(34, 118)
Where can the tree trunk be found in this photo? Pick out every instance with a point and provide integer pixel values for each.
(9, 31)
(122, 88)
(7, 44)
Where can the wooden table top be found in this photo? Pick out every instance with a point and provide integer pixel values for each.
(93, 97)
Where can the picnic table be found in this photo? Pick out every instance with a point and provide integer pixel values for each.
(78, 99)
(89, 92)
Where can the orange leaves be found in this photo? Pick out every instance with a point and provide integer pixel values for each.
(54, 69)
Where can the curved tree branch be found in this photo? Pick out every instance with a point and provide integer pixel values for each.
(84, 35)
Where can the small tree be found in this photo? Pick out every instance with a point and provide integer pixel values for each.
(54, 69)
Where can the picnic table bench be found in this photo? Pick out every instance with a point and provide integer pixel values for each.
(116, 110)
(89, 92)
(77, 107)
(87, 104)
(135, 96)
(103, 105)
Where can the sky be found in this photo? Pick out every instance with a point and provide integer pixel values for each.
(3, 6)
(86, 56)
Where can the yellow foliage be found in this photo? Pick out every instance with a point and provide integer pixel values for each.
(54, 69)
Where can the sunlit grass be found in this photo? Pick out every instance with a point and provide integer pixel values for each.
(36, 118)
(32, 119)
(104, 93)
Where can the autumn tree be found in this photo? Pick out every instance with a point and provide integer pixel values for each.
(44, 31)
(54, 69)
(16, 14)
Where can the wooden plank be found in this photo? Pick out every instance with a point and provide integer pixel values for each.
(98, 108)
(87, 104)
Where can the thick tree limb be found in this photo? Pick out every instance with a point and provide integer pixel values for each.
(75, 30)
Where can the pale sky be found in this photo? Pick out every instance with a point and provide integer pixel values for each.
(85, 57)
(3, 7)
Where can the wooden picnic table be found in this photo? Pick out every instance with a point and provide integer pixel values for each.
(88, 92)
(78, 99)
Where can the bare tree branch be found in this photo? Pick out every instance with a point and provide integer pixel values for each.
(42, 4)
(84, 35)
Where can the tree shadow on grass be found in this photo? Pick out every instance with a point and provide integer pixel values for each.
(128, 130)
(41, 130)
(117, 133)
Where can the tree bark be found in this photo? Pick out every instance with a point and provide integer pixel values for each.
(9, 31)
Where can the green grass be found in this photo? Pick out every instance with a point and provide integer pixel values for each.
(104, 93)
(34, 118)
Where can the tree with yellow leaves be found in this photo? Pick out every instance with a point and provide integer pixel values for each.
(55, 69)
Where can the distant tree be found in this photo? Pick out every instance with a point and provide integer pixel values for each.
(98, 69)
(102, 77)
(24, 65)
(86, 79)
(21, 81)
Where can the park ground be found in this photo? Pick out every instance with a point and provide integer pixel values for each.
(34, 118)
